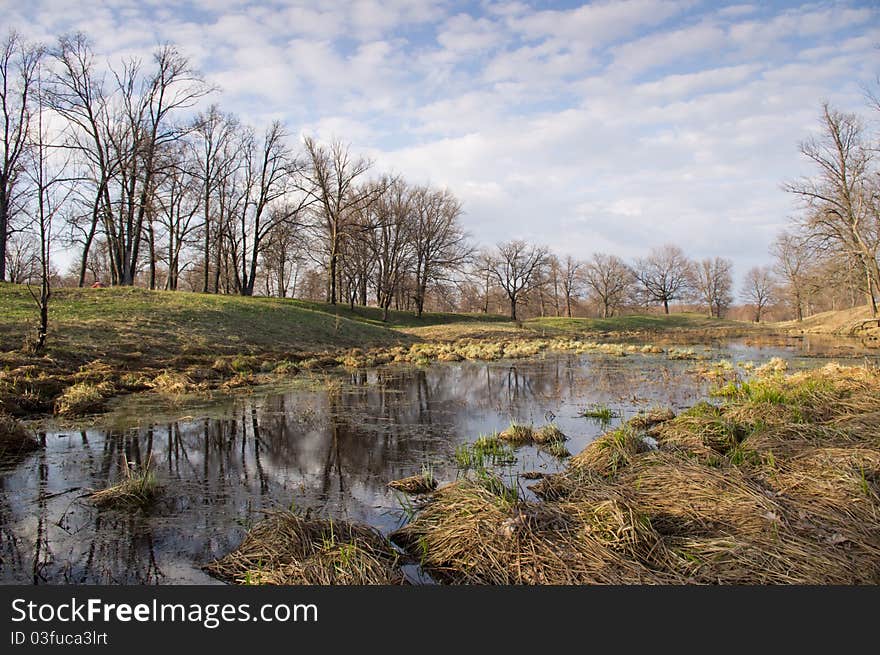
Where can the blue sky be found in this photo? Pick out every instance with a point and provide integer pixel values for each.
(598, 127)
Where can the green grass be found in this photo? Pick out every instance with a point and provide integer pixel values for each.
(397, 319)
(131, 324)
(486, 450)
(553, 325)
(601, 413)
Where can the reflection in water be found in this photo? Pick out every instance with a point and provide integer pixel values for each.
(330, 450)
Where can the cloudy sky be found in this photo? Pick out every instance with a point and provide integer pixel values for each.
(609, 126)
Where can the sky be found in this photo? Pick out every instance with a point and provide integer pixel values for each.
(606, 126)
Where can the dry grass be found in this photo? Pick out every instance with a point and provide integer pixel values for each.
(288, 549)
(83, 398)
(549, 434)
(421, 483)
(778, 485)
(517, 433)
(138, 489)
(173, 383)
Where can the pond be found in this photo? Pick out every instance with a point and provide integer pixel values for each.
(331, 448)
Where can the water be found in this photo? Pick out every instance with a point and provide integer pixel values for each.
(222, 463)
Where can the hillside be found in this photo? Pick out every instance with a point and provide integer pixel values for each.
(844, 322)
(158, 327)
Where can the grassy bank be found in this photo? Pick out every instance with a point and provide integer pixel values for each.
(103, 342)
(845, 322)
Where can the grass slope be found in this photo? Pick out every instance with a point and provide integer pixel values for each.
(131, 324)
(841, 322)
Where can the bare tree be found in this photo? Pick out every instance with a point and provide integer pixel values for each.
(841, 200)
(22, 257)
(331, 180)
(439, 242)
(147, 105)
(178, 202)
(272, 174)
(550, 283)
(572, 280)
(215, 147)
(712, 282)
(390, 239)
(794, 264)
(609, 281)
(759, 289)
(516, 265)
(51, 190)
(18, 69)
(77, 93)
(664, 274)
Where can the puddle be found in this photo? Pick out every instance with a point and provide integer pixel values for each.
(223, 462)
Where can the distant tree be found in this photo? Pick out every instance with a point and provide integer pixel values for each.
(77, 93)
(271, 175)
(572, 281)
(759, 289)
(215, 149)
(794, 265)
(664, 274)
(21, 257)
(712, 281)
(389, 237)
(609, 281)
(439, 242)
(332, 178)
(516, 266)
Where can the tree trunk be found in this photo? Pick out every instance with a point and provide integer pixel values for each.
(207, 245)
(666, 306)
(513, 309)
(4, 228)
(869, 293)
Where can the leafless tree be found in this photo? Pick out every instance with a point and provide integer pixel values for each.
(549, 284)
(22, 257)
(389, 236)
(664, 274)
(572, 281)
(272, 175)
(712, 282)
(51, 189)
(439, 242)
(794, 265)
(759, 289)
(840, 202)
(77, 93)
(18, 69)
(215, 147)
(177, 202)
(332, 179)
(282, 258)
(609, 281)
(516, 266)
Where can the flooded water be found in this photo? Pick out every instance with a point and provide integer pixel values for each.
(332, 450)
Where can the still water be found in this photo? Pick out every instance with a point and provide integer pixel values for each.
(333, 450)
